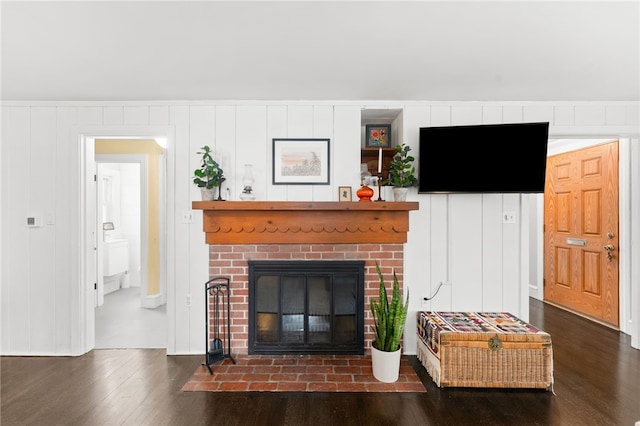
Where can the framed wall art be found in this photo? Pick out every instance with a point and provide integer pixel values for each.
(378, 135)
(344, 193)
(300, 161)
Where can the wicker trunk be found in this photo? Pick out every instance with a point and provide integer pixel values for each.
(478, 349)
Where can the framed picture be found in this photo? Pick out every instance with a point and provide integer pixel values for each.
(344, 193)
(300, 161)
(378, 135)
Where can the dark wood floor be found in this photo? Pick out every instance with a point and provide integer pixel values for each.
(597, 382)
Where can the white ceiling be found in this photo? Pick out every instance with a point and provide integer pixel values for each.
(321, 50)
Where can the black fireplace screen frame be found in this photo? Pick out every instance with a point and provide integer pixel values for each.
(309, 275)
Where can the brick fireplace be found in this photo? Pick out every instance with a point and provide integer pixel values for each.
(241, 231)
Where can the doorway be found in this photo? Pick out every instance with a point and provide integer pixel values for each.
(581, 232)
(84, 340)
(130, 309)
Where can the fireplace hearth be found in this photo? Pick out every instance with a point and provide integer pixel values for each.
(306, 307)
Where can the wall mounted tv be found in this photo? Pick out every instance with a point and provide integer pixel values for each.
(489, 158)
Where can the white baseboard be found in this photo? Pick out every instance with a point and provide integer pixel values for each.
(186, 353)
(151, 301)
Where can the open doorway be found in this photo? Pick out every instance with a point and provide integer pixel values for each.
(130, 297)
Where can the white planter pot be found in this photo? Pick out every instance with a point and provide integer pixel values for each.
(385, 365)
(208, 194)
(400, 194)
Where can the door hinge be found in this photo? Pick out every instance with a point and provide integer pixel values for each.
(95, 178)
(95, 286)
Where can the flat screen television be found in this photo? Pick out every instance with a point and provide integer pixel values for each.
(488, 158)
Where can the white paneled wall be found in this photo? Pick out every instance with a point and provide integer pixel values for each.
(458, 239)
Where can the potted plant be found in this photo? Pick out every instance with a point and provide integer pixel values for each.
(208, 176)
(389, 318)
(402, 172)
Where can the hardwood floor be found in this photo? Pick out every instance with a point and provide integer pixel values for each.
(597, 382)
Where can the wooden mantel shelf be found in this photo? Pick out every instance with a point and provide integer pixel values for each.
(284, 222)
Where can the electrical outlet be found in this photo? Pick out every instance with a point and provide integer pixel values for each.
(187, 300)
(508, 217)
(187, 216)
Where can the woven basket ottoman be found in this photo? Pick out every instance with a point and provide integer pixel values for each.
(484, 349)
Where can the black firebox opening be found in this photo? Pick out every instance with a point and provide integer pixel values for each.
(306, 307)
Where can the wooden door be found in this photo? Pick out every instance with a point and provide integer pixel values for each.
(581, 232)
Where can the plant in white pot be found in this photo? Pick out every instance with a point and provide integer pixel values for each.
(389, 317)
(402, 172)
(208, 176)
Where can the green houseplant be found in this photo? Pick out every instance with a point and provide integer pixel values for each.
(402, 172)
(209, 175)
(389, 317)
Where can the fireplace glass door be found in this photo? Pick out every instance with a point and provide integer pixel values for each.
(306, 307)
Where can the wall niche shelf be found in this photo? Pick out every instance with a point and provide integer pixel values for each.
(369, 156)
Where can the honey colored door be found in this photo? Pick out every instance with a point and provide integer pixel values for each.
(581, 232)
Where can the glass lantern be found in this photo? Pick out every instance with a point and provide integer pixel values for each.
(247, 184)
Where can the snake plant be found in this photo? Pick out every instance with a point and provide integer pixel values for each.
(389, 317)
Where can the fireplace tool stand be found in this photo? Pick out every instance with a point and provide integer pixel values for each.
(216, 303)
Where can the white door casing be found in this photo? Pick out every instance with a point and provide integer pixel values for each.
(83, 336)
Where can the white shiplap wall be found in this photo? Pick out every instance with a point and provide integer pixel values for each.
(456, 238)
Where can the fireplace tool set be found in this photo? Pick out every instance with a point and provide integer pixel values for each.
(217, 305)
